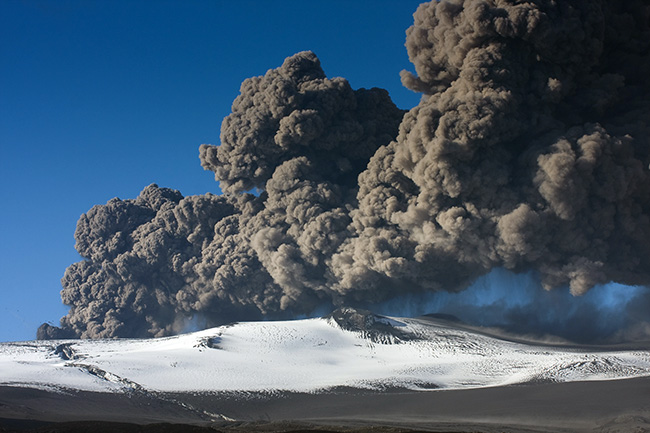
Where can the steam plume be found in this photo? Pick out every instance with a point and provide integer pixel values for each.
(529, 150)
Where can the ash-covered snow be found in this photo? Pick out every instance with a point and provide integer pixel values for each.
(347, 348)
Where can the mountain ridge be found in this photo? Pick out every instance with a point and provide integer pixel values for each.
(347, 348)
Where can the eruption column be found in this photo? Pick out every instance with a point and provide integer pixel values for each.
(529, 151)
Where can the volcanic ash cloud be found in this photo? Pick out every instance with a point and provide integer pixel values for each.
(529, 150)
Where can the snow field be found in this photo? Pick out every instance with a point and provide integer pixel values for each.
(305, 356)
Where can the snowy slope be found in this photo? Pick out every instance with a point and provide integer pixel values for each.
(366, 351)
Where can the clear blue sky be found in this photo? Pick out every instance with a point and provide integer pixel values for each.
(98, 99)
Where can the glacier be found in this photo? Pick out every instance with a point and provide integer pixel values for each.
(348, 348)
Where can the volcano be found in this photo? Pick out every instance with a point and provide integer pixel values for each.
(267, 364)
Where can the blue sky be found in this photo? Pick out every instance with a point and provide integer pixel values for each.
(99, 99)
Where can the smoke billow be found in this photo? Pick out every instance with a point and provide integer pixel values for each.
(529, 151)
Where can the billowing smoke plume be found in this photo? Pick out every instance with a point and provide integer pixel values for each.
(528, 151)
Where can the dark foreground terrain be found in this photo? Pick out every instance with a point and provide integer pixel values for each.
(607, 406)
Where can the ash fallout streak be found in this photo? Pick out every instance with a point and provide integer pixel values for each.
(529, 151)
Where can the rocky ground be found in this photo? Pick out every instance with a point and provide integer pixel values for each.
(606, 406)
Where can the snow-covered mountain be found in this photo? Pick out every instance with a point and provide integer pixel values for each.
(348, 348)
